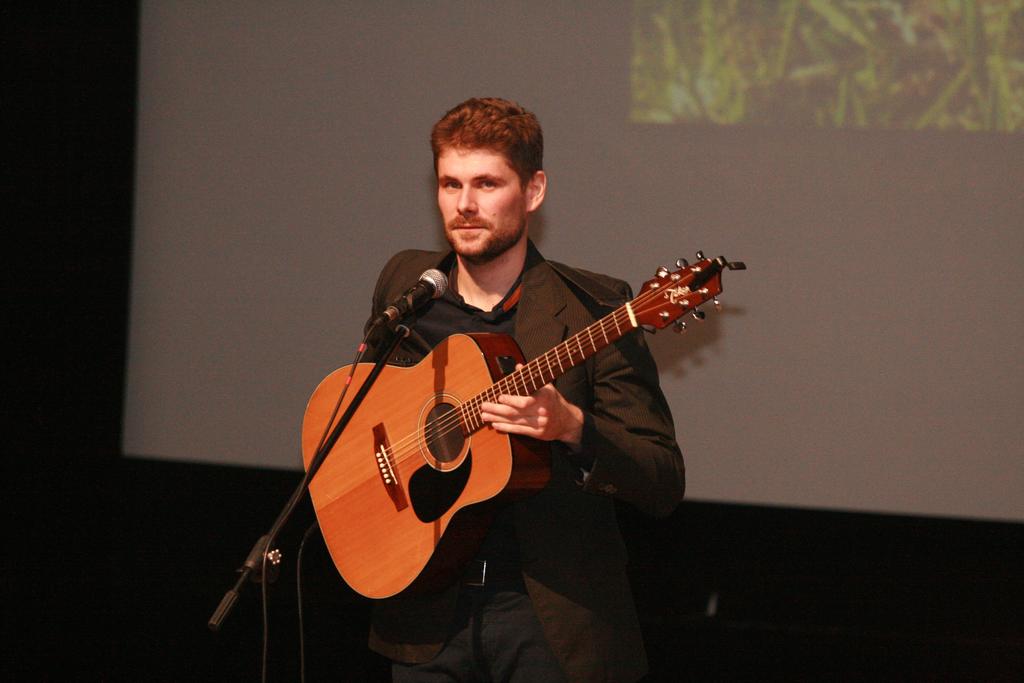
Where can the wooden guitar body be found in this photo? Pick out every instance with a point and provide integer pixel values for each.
(406, 465)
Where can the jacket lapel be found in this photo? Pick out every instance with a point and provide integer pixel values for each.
(539, 326)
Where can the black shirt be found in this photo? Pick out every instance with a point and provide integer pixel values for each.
(450, 315)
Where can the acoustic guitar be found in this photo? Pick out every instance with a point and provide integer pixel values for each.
(406, 493)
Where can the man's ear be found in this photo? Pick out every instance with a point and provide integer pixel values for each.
(535, 190)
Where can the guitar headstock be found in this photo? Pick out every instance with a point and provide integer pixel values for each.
(672, 294)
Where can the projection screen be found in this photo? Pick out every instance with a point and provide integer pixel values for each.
(869, 359)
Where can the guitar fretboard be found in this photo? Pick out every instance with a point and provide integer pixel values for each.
(546, 368)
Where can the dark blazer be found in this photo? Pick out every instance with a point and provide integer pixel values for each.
(573, 557)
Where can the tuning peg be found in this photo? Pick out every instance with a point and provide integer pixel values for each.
(681, 263)
(700, 255)
(718, 304)
(680, 326)
(662, 271)
(698, 314)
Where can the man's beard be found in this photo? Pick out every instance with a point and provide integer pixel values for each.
(491, 246)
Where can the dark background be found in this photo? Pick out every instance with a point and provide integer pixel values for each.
(114, 565)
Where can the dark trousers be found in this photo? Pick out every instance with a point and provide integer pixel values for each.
(496, 638)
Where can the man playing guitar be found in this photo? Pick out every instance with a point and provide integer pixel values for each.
(546, 596)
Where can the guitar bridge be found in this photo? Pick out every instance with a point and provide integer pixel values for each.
(386, 467)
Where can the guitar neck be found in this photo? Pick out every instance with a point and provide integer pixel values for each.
(662, 300)
(546, 368)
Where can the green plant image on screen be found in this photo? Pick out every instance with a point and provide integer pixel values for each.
(906, 64)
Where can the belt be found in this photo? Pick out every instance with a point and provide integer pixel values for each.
(480, 573)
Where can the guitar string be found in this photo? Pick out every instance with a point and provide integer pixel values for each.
(400, 450)
(410, 445)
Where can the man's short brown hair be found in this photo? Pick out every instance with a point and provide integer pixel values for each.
(494, 124)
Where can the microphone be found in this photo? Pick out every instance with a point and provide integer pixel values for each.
(432, 284)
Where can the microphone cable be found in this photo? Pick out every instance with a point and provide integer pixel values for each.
(264, 596)
(298, 596)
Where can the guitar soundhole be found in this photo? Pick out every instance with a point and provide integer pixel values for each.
(434, 492)
(443, 433)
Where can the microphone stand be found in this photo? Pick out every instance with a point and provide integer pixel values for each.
(260, 555)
